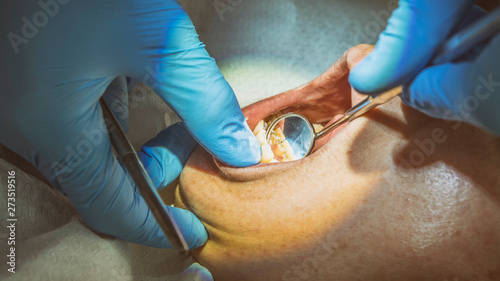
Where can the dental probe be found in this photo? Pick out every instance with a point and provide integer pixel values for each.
(299, 131)
(136, 170)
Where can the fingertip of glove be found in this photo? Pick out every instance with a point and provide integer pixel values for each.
(362, 78)
(241, 149)
(199, 235)
(247, 155)
(191, 228)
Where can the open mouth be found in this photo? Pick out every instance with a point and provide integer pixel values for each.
(322, 107)
(323, 101)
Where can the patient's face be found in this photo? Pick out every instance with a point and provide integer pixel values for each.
(394, 195)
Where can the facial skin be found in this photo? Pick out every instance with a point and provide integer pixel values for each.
(393, 195)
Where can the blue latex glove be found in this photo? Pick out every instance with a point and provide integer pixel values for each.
(467, 90)
(59, 56)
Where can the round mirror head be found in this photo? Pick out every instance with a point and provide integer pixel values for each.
(292, 135)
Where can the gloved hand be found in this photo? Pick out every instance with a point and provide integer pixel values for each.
(467, 90)
(59, 56)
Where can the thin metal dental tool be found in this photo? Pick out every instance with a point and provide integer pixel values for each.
(129, 158)
(298, 130)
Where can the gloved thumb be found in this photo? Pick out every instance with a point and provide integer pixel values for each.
(414, 31)
(467, 91)
(164, 156)
(191, 228)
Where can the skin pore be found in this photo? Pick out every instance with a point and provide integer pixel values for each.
(394, 195)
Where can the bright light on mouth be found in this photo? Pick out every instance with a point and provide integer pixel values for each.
(270, 75)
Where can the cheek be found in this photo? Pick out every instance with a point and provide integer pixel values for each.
(280, 208)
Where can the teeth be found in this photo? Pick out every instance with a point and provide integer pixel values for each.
(259, 127)
(289, 151)
(279, 134)
(261, 136)
(279, 150)
(267, 153)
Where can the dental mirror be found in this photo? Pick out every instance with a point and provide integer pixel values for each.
(294, 135)
(296, 130)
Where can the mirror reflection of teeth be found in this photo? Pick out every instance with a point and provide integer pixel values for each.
(278, 150)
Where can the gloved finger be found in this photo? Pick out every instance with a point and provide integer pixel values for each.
(466, 91)
(70, 146)
(181, 71)
(116, 97)
(190, 226)
(414, 32)
(109, 203)
(164, 156)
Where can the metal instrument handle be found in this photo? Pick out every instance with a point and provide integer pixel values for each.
(371, 102)
(136, 170)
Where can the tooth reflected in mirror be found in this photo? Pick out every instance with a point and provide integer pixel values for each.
(285, 138)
